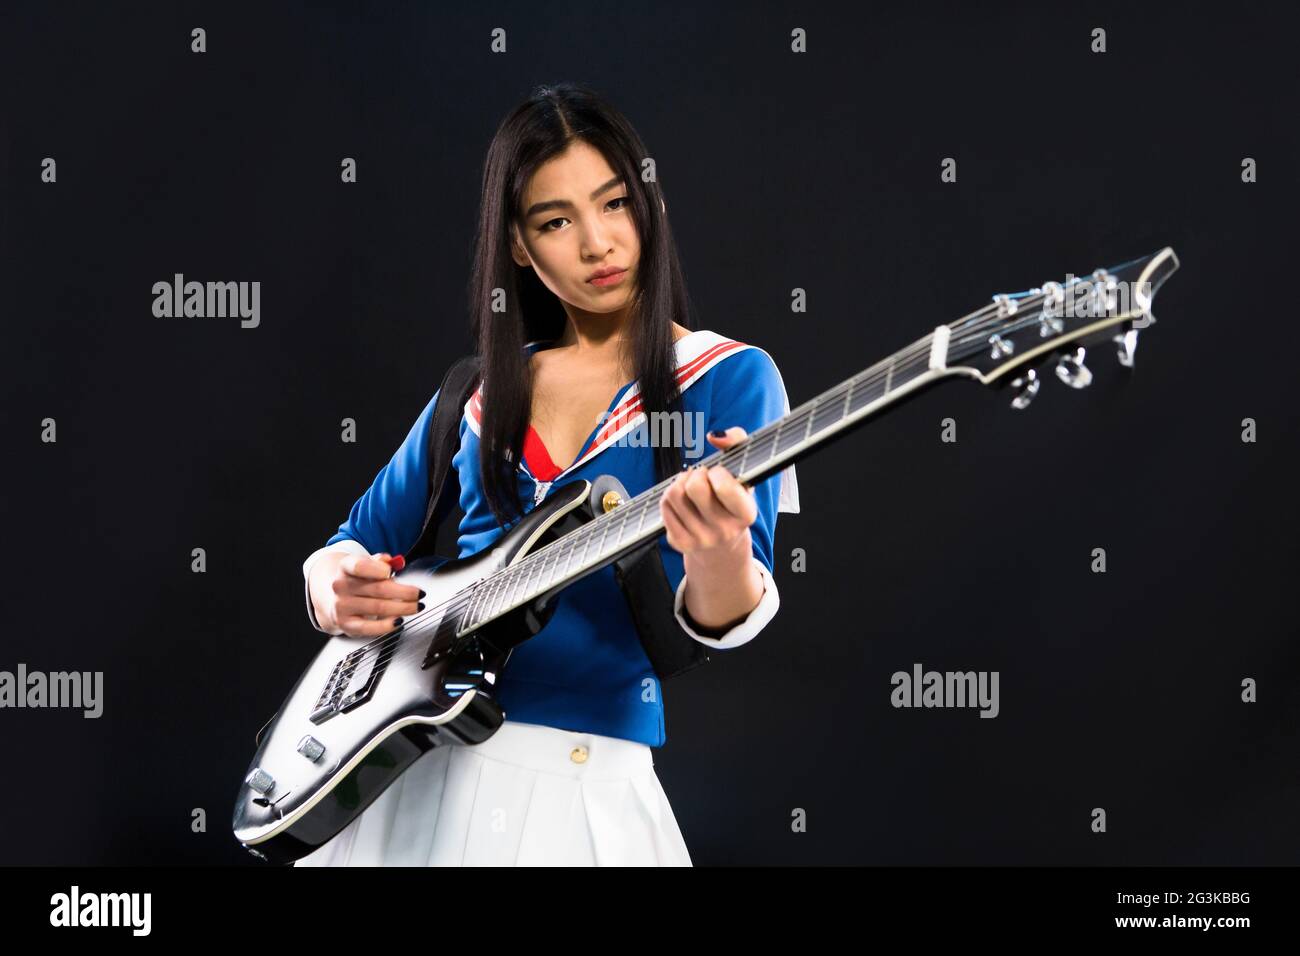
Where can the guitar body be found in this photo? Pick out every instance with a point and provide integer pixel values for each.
(367, 708)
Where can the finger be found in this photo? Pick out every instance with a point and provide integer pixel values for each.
(686, 510)
(371, 568)
(733, 496)
(728, 437)
(362, 587)
(678, 537)
(364, 627)
(349, 606)
(699, 489)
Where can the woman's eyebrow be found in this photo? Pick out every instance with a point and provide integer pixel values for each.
(564, 203)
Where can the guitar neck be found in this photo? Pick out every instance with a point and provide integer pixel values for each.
(1028, 324)
(763, 453)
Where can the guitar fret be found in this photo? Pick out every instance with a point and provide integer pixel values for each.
(764, 455)
(467, 609)
(545, 576)
(787, 441)
(493, 596)
(503, 593)
(528, 578)
(866, 397)
(600, 549)
(554, 566)
(476, 603)
(483, 603)
(826, 416)
(506, 589)
(586, 543)
(514, 588)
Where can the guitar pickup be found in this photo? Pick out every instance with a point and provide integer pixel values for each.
(351, 683)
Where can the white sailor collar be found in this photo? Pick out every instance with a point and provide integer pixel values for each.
(697, 352)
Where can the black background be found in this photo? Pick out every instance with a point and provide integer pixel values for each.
(820, 171)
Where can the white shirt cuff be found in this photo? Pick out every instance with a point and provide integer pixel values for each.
(747, 629)
(347, 546)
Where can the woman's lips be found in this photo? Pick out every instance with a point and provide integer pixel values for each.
(614, 279)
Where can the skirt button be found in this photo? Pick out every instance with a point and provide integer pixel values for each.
(578, 755)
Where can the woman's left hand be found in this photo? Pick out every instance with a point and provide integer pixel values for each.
(708, 511)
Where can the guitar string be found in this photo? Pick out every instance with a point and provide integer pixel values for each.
(814, 405)
(457, 602)
(454, 603)
(534, 561)
(968, 325)
(393, 639)
(461, 599)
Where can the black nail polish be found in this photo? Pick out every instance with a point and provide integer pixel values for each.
(421, 594)
(398, 622)
(420, 606)
(719, 433)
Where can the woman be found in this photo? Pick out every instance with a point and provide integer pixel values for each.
(575, 293)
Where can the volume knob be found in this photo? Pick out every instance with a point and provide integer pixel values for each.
(311, 748)
(260, 781)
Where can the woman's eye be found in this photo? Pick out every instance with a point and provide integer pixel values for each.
(551, 227)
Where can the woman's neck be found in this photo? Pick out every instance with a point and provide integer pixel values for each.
(600, 334)
(594, 333)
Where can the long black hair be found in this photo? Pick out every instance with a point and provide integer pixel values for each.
(511, 307)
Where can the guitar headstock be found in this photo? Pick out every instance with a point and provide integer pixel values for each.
(1002, 343)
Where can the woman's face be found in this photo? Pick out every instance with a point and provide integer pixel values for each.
(578, 220)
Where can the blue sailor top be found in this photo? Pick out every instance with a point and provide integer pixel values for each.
(586, 669)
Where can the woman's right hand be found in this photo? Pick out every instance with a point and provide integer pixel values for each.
(356, 594)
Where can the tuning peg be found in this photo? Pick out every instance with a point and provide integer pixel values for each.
(1026, 387)
(1049, 320)
(1103, 292)
(1071, 370)
(1128, 343)
(1000, 346)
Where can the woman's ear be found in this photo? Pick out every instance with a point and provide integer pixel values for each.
(516, 248)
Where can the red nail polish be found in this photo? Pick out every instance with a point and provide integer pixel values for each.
(398, 562)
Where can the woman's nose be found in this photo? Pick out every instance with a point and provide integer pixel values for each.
(595, 238)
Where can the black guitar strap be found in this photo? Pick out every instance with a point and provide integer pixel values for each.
(640, 573)
(650, 599)
(444, 488)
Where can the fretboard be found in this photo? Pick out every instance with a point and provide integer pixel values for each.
(764, 452)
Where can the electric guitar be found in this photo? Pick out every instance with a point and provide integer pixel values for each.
(366, 709)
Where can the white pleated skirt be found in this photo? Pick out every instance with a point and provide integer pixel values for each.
(529, 795)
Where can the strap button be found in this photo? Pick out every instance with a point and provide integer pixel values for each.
(578, 755)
